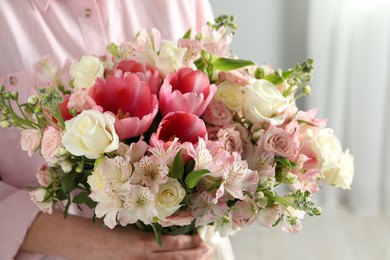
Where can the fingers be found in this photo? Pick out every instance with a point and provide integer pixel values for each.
(202, 252)
(181, 242)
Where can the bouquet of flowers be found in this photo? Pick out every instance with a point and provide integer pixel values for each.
(175, 135)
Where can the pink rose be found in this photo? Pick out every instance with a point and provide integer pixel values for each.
(129, 99)
(230, 139)
(51, 144)
(217, 114)
(38, 196)
(44, 176)
(180, 218)
(277, 141)
(186, 90)
(30, 139)
(80, 100)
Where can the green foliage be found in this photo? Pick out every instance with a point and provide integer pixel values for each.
(194, 177)
(177, 169)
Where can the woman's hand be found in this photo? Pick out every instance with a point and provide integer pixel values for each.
(79, 238)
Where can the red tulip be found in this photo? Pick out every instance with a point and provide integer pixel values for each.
(184, 126)
(186, 90)
(129, 99)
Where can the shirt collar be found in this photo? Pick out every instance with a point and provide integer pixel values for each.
(41, 4)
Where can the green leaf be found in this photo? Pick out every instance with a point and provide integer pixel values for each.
(68, 182)
(113, 49)
(81, 198)
(194, 177)
(278, 79)
(177, 168)
(90, 203)
(226, 64)
(283, 162)
(157, 232)
(187, 35)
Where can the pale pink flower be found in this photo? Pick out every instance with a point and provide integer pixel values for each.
(134, 152)
(292, 220)
(216, 41)
(186, 90)
(234, 76)
(30, 139)
(243, 213)
(308, 117)
(80, 100)
(277, 141)
(165, 152)
(230, 139)
(267, 217)
(238, 178)
(138, 204)
(260, 160)
(149, 172)
(205, 210)
(217, 114)
(51, 144)
(44, 175)
(40, 197)
(193, 47)
(108, 206)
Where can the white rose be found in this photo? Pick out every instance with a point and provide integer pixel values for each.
(170, 58)
(168, 198)
(91, 134)
(337, 168)
(38, 196)
(231, 95)
(264, 103)
(86, 71)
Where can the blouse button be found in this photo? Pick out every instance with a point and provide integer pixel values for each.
(87, 12)
(13, 80)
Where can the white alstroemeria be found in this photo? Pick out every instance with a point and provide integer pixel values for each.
(150, 172)
(138, 204)
(170, 58)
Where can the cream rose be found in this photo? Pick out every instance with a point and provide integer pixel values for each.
(264, 103)
(91, 134)
(168, 198)
(337, 167)
(86, 71)
(230, 95)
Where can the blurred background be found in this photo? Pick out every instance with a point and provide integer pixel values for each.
(350, 42)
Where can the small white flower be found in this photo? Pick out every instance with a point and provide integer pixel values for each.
(86, 71)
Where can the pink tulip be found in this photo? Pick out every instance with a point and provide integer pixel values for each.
(145, 72)
(130, 101)
(186, 90)
(184, 126)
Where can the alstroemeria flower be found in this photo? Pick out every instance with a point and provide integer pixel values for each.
(186, 127)
(130, 100)
(186, 90)
(145, 72)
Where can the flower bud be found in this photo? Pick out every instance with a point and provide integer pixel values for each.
(2, 88)
(5, 111)
(7, 95)
(259, 195)
(62, 152)
(5, 124)
(306, 90)
(33, 100)
(317, 211)
(14, 95)
(80, 168)
(38, 110)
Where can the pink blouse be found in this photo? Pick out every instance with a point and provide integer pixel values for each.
(30, 29)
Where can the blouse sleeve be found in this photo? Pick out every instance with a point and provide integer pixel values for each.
(17, 212)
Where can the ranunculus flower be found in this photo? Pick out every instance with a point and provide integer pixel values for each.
(186, 127)
(264, 103)
(91, 134)
(30, 139)
(186, 90)
(51, 144)
(169, 197)
(86, 71)
(129, 100)
(145, 72)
